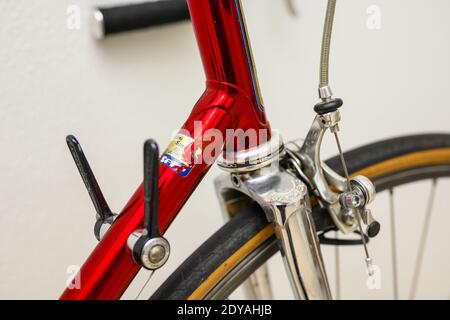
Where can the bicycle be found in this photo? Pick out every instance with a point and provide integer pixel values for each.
(278, 196)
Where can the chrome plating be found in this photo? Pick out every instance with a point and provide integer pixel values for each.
(285, 200)
(320, 175)
(366, 186)
(104, 226)
(155, 252)
(254, 158)
(325, 92)
(97, 24)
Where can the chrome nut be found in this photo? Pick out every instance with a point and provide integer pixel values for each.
(366, 186)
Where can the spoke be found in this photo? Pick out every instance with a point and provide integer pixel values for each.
(145, 284)
(423, 240)
(291, 8)
(337, 269)
(258, 286)
(393, 244)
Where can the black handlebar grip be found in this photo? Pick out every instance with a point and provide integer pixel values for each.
(111, 20)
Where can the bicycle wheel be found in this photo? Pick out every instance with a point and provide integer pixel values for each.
(243, 244)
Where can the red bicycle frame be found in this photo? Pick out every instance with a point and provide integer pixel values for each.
(231, 101)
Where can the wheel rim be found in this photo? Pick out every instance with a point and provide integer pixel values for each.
(249, 264)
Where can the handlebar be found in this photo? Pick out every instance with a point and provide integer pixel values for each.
(112, 20)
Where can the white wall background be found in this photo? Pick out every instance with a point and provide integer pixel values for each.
(115, 94)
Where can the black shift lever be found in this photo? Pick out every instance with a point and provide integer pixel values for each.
(105, 216)
(147, 246)
(151, 194)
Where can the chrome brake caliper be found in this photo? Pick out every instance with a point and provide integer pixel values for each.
(345, 199)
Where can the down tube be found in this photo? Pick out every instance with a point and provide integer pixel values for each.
(109, 269)
(231, 100)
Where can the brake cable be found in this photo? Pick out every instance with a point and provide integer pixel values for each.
(329, 105)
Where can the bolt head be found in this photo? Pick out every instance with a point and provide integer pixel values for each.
(157, 253)
(351, 200)
(348, 216)
(366, 186)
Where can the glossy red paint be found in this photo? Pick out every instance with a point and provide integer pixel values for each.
(231, 100)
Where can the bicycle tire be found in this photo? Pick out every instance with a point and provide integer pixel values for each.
(246, 241)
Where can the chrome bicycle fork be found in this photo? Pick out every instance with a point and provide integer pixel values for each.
(280, 178)
(285, 201)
